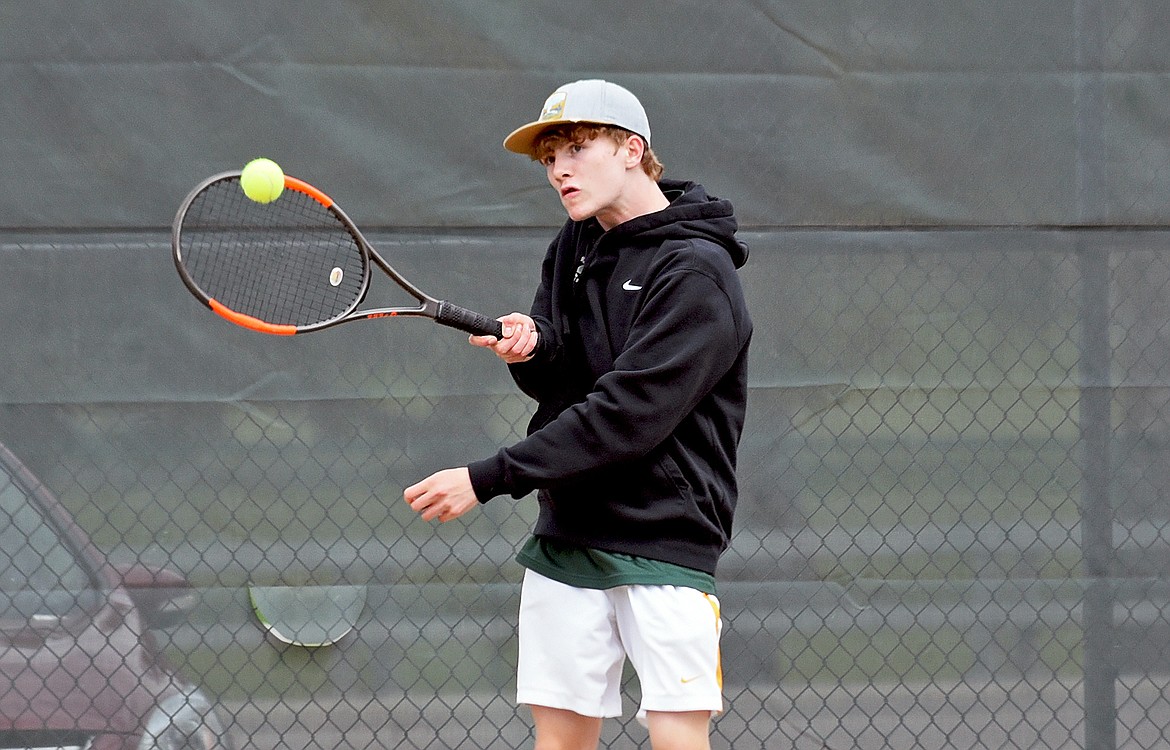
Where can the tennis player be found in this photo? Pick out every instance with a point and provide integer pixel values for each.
(636, 354)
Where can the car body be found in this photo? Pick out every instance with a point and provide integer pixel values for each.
(79, 666)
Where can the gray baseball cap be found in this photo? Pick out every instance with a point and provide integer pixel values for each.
(592, 101)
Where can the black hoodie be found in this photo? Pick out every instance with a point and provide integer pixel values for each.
(641, 381)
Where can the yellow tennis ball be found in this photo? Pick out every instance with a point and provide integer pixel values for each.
(262, 180)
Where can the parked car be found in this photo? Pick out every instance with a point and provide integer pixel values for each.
(79, 666)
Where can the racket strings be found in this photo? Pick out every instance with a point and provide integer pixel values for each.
(289, 262)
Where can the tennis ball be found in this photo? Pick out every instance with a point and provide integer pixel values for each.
(262, 180)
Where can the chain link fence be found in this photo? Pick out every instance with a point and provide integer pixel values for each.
(952, 532)
(953, 528)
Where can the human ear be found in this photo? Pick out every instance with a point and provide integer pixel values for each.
(634, 147)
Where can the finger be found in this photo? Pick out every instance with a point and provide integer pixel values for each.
(418, 497)
(524, 345)
(519, 334)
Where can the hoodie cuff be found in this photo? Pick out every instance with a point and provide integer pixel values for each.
(487, 477)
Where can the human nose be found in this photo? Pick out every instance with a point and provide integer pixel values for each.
(557, 171)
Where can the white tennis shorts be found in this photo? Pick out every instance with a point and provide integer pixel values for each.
(574, 642)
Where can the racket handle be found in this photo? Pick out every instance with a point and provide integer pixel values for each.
(468, 321)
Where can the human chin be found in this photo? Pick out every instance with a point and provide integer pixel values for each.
(576, 207)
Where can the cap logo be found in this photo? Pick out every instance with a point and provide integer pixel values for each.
(554, 107)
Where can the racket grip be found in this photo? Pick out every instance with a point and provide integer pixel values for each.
(468, 321)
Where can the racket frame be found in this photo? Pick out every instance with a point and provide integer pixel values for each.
(440, 311)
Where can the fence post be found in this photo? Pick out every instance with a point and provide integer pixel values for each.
(1096, 506)
(1095, 392)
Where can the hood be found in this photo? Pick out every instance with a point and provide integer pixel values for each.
(691, 213)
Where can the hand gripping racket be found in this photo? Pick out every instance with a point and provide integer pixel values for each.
(294, 265)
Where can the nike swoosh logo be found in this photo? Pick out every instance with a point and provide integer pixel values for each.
(685, 680)
(630, 286)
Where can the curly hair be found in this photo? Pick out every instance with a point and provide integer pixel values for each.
(579, 132)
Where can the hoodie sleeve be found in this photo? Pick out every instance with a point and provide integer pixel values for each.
(686, 336)
(542, 374)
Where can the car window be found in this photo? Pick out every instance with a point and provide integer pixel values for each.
(33, 556)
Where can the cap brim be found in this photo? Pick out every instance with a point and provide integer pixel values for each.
(522, 139)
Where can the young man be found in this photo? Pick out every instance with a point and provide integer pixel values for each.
(636, 353)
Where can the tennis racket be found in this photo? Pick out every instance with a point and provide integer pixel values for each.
(295, 265)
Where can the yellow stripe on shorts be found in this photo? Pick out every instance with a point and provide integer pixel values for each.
(718, 652)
